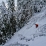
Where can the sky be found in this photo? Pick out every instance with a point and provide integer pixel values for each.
(5, 1)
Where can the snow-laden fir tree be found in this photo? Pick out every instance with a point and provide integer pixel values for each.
(3, 22)
(24, 11)
(7, 23)
(11, 7)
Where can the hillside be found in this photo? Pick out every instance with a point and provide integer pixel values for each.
(29, 35)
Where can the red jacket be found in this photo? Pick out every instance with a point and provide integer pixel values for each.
(36, 25)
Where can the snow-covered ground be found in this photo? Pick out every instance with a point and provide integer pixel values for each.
(29, 35)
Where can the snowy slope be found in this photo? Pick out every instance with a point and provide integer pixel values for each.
(29, 35)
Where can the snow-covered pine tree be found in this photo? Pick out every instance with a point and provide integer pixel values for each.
(3, 23)
(38, 5)
(25, 11)
(11, 7)
(8, 22)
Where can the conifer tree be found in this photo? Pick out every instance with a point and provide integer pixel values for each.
(11, 7)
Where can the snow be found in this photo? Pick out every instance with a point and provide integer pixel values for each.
(40, 41)
(29, 35)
